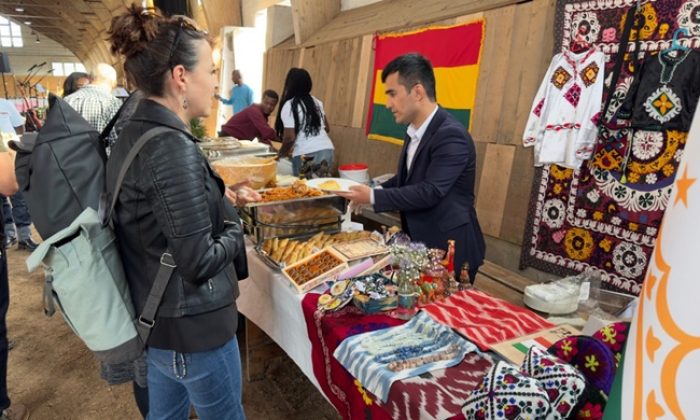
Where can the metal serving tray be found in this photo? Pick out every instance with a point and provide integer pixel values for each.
(293, 218)
(267, 259)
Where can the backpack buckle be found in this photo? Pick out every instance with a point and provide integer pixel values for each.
(167, 260)
(147, 322)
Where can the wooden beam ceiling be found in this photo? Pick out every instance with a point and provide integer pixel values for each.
(308, 16)
(390, 15)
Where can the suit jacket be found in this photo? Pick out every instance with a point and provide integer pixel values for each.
(436, 196)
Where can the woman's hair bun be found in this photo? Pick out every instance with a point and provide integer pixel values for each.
(132, 30)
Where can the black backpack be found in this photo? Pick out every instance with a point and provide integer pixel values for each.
(61, 169)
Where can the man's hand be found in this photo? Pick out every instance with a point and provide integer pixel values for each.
(359, 194)
(217, 96)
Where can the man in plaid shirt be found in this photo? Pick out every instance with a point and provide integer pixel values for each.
(95, 101)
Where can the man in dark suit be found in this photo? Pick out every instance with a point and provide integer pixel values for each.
(434, 185)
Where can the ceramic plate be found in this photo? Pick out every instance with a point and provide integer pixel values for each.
(332, 185)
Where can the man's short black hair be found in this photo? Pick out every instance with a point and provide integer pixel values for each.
(413, 69)
(271, 94)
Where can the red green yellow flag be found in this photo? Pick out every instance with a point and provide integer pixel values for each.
(454, 51)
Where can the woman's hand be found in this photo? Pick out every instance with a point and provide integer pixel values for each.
(241, 194)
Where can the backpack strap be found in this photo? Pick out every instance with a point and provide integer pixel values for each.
(135, 149)
(147, 319)
(110, 125)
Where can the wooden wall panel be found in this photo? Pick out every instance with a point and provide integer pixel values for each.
(352, 145)
(516, 53)
(518, 198)
(480, 157)
(363, 85)
(495, 174)
(494, 70)
(518, 59)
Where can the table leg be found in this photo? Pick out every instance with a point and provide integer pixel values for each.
(259, 350)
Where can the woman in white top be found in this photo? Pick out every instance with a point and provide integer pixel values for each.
(302, 124)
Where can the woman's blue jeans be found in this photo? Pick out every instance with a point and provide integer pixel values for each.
(210, 381)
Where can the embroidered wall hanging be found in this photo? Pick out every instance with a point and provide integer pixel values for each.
(606, 215)
(455, 53)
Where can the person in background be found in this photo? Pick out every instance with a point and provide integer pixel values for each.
(8, 186)
(252, 122)
(17, 222)
(241, 94)
(95, 101)
(434, 185)
(75, 81)
(302, 124)
(172, 202)
(16, 216)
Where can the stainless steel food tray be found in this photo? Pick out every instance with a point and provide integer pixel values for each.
(293, 218)
(267, 259)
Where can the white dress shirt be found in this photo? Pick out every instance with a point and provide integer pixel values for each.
(415, 135)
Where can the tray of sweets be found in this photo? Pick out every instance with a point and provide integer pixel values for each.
(281, 252)
(315, 269)
(361, 248)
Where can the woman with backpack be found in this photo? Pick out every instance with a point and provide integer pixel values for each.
(302, 124)
(173, 209)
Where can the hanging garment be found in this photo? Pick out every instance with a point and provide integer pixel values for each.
(563, 122)
(664, 93)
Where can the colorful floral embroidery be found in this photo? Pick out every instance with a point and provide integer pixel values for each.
(507, 394)
(677, 156)
(587, 26)
(647, 144)
(609, 35)
(567, 348)
(561, 174)
(618, 97)
(578, 243)
(565, 126)
(538, 109)
(629, 259)
(689, 16)
(560, 77)
(589, 74)
(573, 95)
(651, 22)
(592, 363)
(554, 213)
(663, 105)
(365, 395)
(590, 412)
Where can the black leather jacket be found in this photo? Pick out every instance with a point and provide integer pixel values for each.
(172, 200)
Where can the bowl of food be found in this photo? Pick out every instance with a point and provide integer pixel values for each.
(375, 293)
(258, 171)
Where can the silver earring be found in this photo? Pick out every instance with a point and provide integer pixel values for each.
(185, 104)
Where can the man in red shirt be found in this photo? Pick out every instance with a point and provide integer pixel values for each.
(251, 122)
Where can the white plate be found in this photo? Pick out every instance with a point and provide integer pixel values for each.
(345, 184)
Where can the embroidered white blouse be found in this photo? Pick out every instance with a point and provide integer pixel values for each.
(562, 125)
